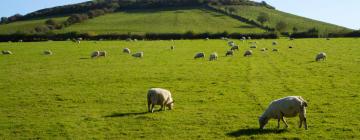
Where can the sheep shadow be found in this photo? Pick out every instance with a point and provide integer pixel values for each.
(83, 58)
(254, 131)
(125, 114)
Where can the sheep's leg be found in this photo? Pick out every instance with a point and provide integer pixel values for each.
(278, 123)
(300, 124)
(149, 106)
(303, 118)
(162, 106)
(152, 108)
(283, 119)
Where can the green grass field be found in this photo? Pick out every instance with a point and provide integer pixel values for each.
(25, 26)
(301, 23)
(69, 96)
(163, 21)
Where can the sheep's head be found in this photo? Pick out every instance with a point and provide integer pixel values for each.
(170, 105)
(263, 121)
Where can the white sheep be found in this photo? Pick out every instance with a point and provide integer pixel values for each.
(235, 48)
(159, 96)
(126, 50)
(138, 55)
(95, 54)
(231, 43)
(248, 53)
(285, 107)
(6, 52)
(213, 56)
(48, 52)
(230, 52)
(199, 55)
(320, 56)
(249, 38)
(103, 54)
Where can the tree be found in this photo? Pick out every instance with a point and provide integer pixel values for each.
(4, 20)
(42, 29)
(263, 17)
(295, 30)
(281, 26)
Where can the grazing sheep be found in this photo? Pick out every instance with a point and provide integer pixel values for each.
(138, 55)
(248, 53)
(243, 38)
(48, 52)
(320, 56)
(128, 39)
(20, 40)
(207, 38)
(275, 50)
(285, 107)
(102, 53)
(135, 40)
(230, 52)
(263, 49)
(172, 47)
(6, 52)
(253, 47)
(126, 50)
(95, 54)
(274, 43)
(231, 43)
(199, 55)
(213, 56)
(249, 38)
(159, 96)
(235, 48)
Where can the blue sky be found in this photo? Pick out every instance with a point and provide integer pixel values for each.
(344, 13)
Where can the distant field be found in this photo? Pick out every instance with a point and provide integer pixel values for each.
(24, 26)
(303, 24)
(69, 96)
(163, 21)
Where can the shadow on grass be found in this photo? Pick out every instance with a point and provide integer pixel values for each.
(254, 131)
(82, 58)
(126, 114)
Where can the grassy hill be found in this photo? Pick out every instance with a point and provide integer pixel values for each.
(70, 96)
(25, 26)
(301, 23)
(194, 19)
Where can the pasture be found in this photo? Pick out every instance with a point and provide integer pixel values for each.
(69, 96)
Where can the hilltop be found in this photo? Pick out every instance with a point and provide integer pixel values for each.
(100, 17)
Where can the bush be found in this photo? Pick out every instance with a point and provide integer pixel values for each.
(77, 18)
(42, 29)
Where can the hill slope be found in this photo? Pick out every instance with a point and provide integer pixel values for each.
(163, 21)
(301, 23)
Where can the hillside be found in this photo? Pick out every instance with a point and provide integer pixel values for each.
(301, 23)
(170, 16)
(194, 19)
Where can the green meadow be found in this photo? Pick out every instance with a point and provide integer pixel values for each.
(167, 20)
(69, 96)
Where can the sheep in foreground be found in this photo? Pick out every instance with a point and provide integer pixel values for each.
(213, 56)
(95, 54)
(235, 48)
(138, 55)
(285, 107)
(320, 56)
(48, 52)
(126, 50)
(6, 52)
(102, 53)
(199, 55)
(248, 53)
(230, 52)
(159, 96)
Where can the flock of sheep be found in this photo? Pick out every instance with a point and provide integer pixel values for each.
(289, 106)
